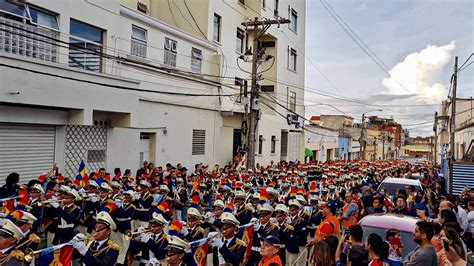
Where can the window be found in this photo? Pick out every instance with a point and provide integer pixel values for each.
(145, 135)
(264, 3)
(293, 101)
(43, 18)
(275, 9)
(273, 145)
(291, 59)
(199, 142)
(142, 8)
(240, 40)
(267, 88)
(196, 60)
(260, 144)
(85, 42)
(11, 9)
(284, 143)
(171, 49)
(294, 20)
(138, 44)
(217, 28)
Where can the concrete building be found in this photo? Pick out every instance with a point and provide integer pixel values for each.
(115, 84)
(323, 142)
(464, 132)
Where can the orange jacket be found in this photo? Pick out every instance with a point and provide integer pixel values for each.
(329, 226)
(273, 260)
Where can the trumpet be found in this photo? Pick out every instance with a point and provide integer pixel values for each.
(31, 254)
(44, 202)
(129, 234)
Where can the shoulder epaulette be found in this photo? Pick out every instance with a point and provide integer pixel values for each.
(200, 229)
(240, 242)
(17, 254)
(289, 227)
(34, 238)
(112, 245)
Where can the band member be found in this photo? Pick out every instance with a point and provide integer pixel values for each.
(152, 243)
(213, 219)
(286, 235)
(228, 249)
(143, 203)
(243, 213)
(299, 225)
(180, 198)
(263, 228)
(36, 192)
(25, 222)
(177, 249)
(193, 230)
(101, 251)
(123, 216)
(68, 215)
(10, 234)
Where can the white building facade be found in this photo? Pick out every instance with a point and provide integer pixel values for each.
(107, 83)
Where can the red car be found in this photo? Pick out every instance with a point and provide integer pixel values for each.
(380, 223)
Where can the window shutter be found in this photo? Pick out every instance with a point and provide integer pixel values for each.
(199, 142)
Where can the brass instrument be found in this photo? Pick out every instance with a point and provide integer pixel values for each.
(129, 234)
(31, 254)
(44, 202)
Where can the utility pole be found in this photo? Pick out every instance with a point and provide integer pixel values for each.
(254, 90)
(453, 125)
(435, 129)
(453, 111)
(362, 139)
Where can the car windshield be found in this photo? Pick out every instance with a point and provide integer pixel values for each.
(406, 238)
(392, 188)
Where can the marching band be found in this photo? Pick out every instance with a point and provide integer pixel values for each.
(155, 219)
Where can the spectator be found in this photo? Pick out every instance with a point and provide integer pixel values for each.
(401, 206)
(461, 214)
(11, 187)
(452, 237)
(377, 248)
(425, 254)
(322, 254)
(269, 252)
(333, 243)
(396, 247)
(347, 242)
(469, 234)
(447, 216)
(357, 256)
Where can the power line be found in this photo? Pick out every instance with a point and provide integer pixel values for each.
(114, 86)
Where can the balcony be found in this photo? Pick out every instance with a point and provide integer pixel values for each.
(27, 40)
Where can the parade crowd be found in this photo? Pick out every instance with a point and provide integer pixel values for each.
(280, 214)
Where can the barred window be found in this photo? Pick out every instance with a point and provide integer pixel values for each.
(196, 60)
(139, 40)
(171, 50)
(199, 142)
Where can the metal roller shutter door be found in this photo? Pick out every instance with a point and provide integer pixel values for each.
(27, 150)
(294, 147)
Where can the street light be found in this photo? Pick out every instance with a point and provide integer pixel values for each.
(362, 133)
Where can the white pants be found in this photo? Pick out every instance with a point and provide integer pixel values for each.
(291, 257)
(124, 244)
(49, 238)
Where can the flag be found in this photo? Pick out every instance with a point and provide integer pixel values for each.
(82, 178)
(246, 234)
(61, 255)
(24, 198)
(175, 228)
(199, 250)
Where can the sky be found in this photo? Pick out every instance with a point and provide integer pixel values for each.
(405, 70)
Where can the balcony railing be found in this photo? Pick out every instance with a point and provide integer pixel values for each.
(27, 40)
(138, 48)
(170, 58)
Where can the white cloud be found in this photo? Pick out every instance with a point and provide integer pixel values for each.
(421, 73)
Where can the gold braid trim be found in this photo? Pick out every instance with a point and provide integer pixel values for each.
(34, 238)
(17, 254)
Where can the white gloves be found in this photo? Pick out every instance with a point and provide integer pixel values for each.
(184, 231)
(93, 198)
(79, 244)
(257, 226)
(136, 196)
(217, 243)
(254, 220)
(145, 237)
(118, 203)
(54, 204)
(153, 262)
(141, 229)
(288, 220)
(82, 192)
